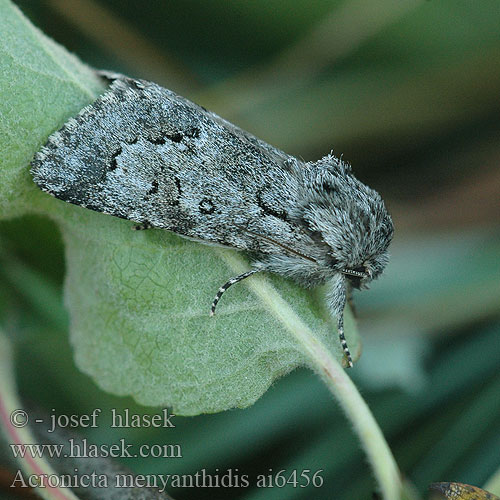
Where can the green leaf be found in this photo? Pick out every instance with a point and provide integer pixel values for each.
(139, 304)
(139, 301)
(41, 86)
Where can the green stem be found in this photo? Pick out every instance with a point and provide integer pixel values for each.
(321, 360)
(493, 483)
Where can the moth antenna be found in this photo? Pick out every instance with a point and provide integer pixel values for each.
(353, 272)
(343, 342)
(231, 282)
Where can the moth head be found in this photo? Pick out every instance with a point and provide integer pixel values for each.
(347, 220)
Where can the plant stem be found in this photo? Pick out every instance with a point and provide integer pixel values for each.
(321, 360)
(493, 483)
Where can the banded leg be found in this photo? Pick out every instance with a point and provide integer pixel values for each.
(343, 342)
(224, 287)
(142, 227)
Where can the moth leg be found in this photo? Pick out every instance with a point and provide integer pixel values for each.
(224, 287)
(343, 342)
(142, 227)
(350, 301)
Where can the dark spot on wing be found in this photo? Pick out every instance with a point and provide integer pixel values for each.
(154, 187)
(157, 140)
(193, 132)
(178, 184)
(177, 137)
(267, 208)
(113, 164)
(161, 139)
(206, 206)
(175, 201)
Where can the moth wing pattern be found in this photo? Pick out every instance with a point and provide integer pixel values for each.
(143, 153)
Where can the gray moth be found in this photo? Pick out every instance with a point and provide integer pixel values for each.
(143, 153)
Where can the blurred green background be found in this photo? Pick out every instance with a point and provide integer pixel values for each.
(408, 92)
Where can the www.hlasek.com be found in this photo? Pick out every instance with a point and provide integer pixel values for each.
(231, 478)
(81, 448)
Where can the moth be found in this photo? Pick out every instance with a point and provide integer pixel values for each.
(143, 153)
